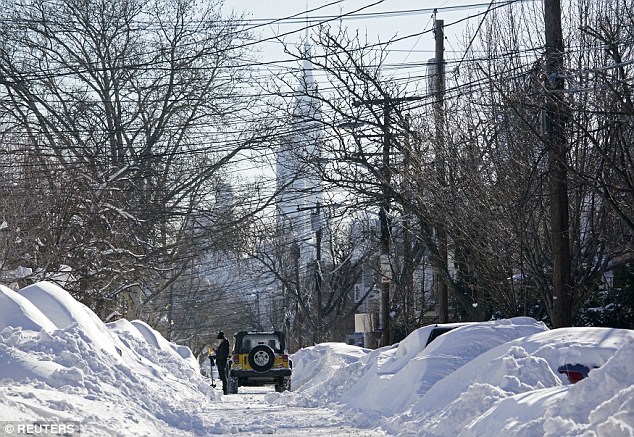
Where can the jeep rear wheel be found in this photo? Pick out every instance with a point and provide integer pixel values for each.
(261, 358)
(283, 385)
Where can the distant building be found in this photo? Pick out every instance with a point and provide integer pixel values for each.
(299, 184)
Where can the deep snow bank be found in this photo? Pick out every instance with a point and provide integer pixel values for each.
(494, 378)
(63, 311)
(515, 388)
(17, 310)
(403, 378)
(392, 379)
(60, 362)
(321, 371)
(155, 339)
(603, 403)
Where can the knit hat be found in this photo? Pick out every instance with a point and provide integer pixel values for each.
(221, 335)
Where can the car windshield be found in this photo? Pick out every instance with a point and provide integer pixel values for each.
(437, 332)
(251, 340)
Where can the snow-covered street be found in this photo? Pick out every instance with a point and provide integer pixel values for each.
(324, 218)
(60, 364)
(249, 413)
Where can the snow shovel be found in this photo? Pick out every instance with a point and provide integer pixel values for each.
(211, 367)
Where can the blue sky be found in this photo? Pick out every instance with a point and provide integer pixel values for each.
(411, 20)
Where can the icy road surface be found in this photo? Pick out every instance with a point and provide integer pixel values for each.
(248, 413)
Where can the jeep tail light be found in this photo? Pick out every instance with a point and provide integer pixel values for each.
(236, 359)
(285, 358)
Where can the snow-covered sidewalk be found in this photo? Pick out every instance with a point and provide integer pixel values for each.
(60, 363)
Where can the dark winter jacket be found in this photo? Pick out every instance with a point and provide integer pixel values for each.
(222, 353)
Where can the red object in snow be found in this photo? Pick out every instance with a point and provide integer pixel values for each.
(575, 372)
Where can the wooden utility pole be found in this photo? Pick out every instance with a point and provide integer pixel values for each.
(385, 227)
(408, 262)
(386, 176)
(318, 282)
(170, 312)
(298, 308)
(439, 116)
(554, 137)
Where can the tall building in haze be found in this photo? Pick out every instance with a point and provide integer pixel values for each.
(299, 183)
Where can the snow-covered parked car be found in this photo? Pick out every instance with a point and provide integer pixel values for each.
(392, 378)
(425, 335)
(407, 372)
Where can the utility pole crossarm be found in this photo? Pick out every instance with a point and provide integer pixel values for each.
(388, 100)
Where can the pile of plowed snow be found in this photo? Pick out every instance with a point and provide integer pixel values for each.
(491, 378)
(59, 362)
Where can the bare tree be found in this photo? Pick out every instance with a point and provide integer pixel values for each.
(495, 199)
(122, 110)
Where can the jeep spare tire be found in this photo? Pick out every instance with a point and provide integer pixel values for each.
(261, 358)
